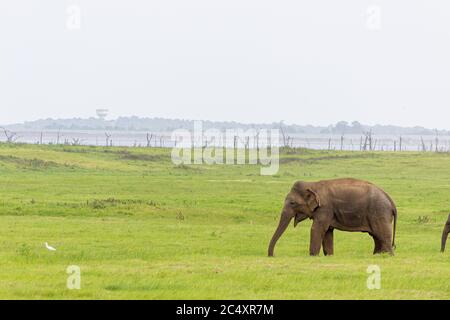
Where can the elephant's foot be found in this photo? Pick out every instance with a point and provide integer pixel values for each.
(389, 251)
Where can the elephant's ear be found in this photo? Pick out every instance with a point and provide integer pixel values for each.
(312, 200)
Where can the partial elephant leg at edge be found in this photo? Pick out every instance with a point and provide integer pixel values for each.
(445, 234)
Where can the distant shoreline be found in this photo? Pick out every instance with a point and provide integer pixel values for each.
(318, 141)
(160, 125)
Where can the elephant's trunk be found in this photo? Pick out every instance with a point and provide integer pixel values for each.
(284, 222)
(444, 236)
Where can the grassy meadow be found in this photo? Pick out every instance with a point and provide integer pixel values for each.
(140, 227)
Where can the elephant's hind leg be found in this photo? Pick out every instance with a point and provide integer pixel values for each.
(386, 246)
(377, 248)
(383, 244)
(382, 235)
(327, 243)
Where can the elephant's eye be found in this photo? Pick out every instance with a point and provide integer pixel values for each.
(293, 203)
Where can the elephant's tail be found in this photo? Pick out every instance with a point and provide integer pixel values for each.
(394, 211)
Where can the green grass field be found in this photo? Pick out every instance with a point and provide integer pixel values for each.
(140, 227)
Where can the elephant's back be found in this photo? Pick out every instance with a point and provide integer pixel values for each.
(359, 195)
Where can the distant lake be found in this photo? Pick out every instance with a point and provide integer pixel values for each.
(162, 139)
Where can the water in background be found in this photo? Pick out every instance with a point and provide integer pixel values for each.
(318, 141)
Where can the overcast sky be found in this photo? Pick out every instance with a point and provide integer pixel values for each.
(314, 62)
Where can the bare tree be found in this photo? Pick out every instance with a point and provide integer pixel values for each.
(258, 132)
(108, 137)
(208, 142)
(286, 139)
(76, 141)
(149, 139)
(368, 141)
(424, 147)
(437, 141)
(58, 136)
(11, 137)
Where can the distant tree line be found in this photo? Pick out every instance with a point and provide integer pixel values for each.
(166, 125)
(343, 128)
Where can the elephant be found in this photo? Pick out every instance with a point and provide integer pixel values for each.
(445, 234)
(345, 204)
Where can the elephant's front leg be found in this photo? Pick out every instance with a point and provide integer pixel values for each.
(318, 231)
(327, 243)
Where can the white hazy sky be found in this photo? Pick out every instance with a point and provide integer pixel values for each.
(307, 62)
